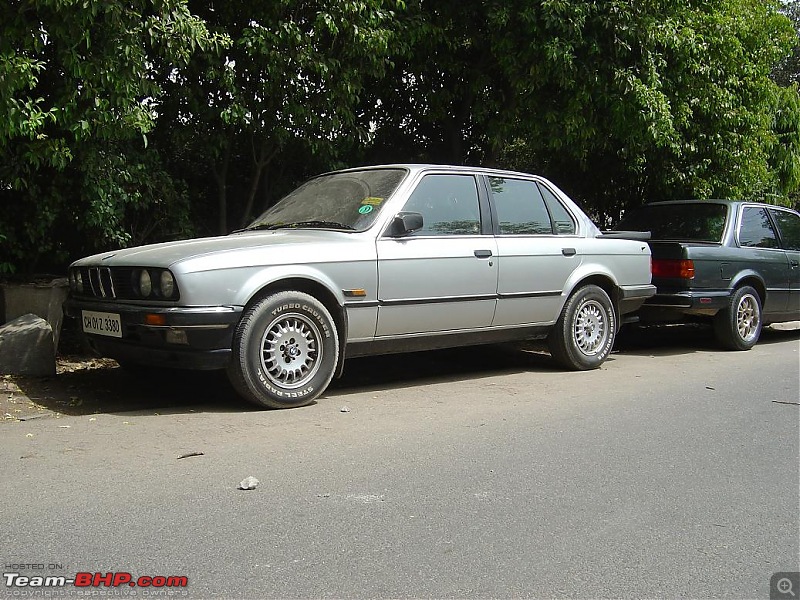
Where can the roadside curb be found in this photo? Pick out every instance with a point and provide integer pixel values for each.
(16, 406)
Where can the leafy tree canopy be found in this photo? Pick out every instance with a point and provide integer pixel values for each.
(618, 101)
(80, 85)
(144, 120)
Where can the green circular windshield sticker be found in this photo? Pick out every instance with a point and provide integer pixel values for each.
(365, 210)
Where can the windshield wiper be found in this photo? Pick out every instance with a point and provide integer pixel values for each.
(299, 225)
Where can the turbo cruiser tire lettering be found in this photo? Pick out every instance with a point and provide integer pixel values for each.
(285, 350)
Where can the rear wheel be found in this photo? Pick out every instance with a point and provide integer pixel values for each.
(583, 336)
(285, 351)
(738, 327)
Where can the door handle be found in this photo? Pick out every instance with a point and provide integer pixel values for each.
(794, 264)
(568, 251)
(483, 253)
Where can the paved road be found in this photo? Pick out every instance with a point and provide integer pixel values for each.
(670, 472)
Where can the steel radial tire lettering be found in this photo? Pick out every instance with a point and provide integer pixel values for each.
(285, 351)
(584, 334)
(738, 327)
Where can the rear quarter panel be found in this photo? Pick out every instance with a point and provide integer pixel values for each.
(625, 262)
(721, 268)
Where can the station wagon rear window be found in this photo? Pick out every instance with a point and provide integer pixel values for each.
(700, 222)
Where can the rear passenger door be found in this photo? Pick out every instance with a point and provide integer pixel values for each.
(789, 230)
(537, 250)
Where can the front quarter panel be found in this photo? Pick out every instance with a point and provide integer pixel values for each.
(236, 278)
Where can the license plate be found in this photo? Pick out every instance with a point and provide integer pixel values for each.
(101, 323)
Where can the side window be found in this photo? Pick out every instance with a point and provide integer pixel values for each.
(520, 207)
(756, 229)
(562, 220)
(789, 227)
(448, 205)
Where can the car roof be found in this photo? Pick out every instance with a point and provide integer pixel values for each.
(416, 167)
(698, 201)
(722, 201)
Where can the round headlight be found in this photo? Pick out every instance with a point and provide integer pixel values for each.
(167, 284)
(145, 284)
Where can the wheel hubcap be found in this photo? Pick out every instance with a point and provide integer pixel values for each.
(591, 328)
(291, 351)
(747, 318)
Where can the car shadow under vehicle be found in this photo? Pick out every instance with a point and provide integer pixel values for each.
(439, 366)
(687, 338)
(94, 386)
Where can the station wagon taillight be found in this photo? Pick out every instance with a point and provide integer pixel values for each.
(673, 268)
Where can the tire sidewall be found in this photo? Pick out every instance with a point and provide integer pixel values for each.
(733, 323)
(576, 302)
(250, 342)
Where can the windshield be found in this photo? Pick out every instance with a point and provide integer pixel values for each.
(700, 222)
(349, 201)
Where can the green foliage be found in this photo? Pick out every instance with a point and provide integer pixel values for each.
(146, 120)
(294, 71)
(787, 71)
(617, 101)
(784, 152)
(80, 83)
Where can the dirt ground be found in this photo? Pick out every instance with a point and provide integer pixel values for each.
(82, 385)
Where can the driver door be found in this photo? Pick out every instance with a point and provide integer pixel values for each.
(442, 277)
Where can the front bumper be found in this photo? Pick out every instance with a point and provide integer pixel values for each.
(179, 337)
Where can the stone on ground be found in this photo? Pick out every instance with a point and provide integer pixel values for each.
(27, 347)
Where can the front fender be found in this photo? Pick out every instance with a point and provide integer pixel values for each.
(274, 274)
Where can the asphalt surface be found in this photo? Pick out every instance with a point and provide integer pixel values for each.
(673, 471)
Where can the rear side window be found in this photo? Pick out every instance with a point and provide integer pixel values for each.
(562, 220)
(789, 228)
(520, 207)
(756, 229)
(700, 222)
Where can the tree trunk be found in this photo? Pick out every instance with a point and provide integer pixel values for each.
(260, 162)
(220, 171)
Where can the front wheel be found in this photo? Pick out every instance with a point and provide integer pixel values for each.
(285, 351)
(738, 327)
(583, 336)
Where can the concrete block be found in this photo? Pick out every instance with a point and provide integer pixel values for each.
(42, 298)
(27, 347)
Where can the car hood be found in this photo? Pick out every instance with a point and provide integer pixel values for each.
(263, 244)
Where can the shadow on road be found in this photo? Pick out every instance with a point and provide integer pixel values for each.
(671, 340)
(103, 387)
(439, 366)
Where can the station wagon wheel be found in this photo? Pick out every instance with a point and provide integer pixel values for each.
(285, 351)
(583, 336)
(738, 327)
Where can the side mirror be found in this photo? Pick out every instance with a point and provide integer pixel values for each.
(405, 223)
